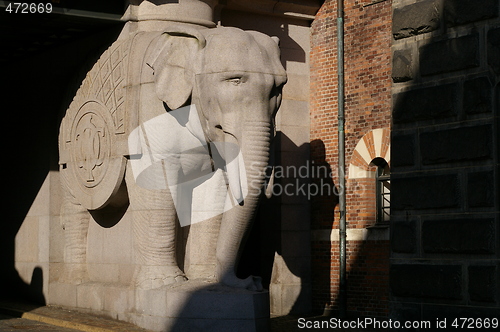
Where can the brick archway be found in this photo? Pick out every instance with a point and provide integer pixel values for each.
(374, 144)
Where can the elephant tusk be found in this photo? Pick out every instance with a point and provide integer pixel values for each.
(230, 152)
(233, 175)
(270, 184)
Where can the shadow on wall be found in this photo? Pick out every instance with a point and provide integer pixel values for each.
(445, 164)
(322, 214)
(291, 50)
(265, 239)
(367, 257)
(36, 90)
(35, 288)
(367, 278)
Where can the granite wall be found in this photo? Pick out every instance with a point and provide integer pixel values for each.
(445, 226)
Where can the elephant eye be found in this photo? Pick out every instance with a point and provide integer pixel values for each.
(235, 80)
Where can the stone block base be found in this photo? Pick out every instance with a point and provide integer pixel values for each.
(195, 305)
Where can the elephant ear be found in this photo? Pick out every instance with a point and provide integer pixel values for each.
(174, 61)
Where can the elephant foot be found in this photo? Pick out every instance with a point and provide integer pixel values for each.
(74, 274)
(151, 277)
(252, 283)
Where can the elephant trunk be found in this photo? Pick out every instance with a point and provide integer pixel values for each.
(236, 222)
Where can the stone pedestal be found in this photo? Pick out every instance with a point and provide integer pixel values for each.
(195, 305)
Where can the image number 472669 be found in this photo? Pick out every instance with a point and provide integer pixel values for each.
(28, 8)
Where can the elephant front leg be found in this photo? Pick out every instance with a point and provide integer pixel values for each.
(155, 236)
(75, 223)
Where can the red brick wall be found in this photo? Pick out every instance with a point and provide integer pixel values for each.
(368, 106)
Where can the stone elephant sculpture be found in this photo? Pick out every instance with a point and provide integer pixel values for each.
(161, 116)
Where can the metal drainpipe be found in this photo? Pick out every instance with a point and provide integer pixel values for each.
(341, 161)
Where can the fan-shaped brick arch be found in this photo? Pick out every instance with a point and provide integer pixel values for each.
(374, 144)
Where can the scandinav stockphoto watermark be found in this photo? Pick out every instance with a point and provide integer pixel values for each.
(307, 180)
(194, 171)
(205, 178)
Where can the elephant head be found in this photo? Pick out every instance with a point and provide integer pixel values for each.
(235, 79)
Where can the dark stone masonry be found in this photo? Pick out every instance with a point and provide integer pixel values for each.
(425, 103)
(425, 192)
(455, 145)
(427, 281)
(445, 159)
(447, 236)
(402, 66)
(477, 96)
(459, 12)
(414, 19)
(449, 55)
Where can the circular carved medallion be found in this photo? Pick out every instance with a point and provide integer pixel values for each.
(92, 148)
(95, 170)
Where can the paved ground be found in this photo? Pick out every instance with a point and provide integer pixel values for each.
(13, 324)
(57, 319)
(16, 317)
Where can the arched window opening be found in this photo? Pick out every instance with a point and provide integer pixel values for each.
(382, 191)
